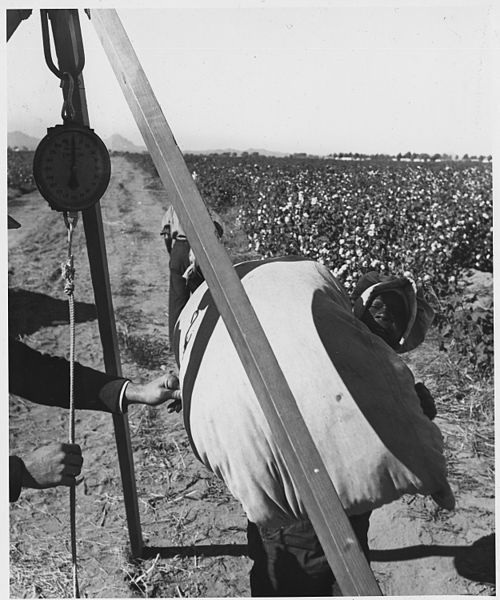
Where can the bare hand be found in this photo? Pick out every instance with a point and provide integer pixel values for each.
(52, 465)
(155, 392)
(175, 406)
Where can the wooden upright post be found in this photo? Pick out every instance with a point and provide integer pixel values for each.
(67, 42)
(299, 451)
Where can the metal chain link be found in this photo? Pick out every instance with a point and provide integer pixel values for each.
(68, 110)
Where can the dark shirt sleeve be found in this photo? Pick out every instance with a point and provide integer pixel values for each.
(16, 467)
(44, 379)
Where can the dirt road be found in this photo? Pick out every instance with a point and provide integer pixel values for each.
(416, 550)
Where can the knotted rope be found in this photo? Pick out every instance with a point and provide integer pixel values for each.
(68, 276)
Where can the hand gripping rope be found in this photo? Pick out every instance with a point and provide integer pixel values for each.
(68, 275)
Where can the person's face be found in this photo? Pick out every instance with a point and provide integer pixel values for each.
(386, 317)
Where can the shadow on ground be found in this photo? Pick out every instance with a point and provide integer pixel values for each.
(30, 311)
(475, 562)
(202, 550)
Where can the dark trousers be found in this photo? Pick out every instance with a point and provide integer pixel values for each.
(290, 561)
(180, 289)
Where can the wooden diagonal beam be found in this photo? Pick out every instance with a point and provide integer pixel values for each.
(299, 451)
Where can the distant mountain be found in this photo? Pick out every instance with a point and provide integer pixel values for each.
(218, 151)
(18, 139)
(238, 152)
(120, 144)
(117, 143)
(263, 152)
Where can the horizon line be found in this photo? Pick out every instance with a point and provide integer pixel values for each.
(276, 153)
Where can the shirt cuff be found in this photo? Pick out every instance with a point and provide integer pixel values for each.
(121, 409)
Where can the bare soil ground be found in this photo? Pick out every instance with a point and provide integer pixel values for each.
(193, 530)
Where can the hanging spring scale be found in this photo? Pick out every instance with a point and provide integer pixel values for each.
(71, 165)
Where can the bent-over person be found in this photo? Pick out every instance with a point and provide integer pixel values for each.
(356, 395)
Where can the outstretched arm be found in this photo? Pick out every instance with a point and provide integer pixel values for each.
(44, 379)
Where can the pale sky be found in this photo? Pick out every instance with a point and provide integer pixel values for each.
(317, 78)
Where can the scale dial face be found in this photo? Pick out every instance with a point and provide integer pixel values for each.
(71, 167)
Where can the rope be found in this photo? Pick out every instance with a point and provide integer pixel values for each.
(69, 286)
